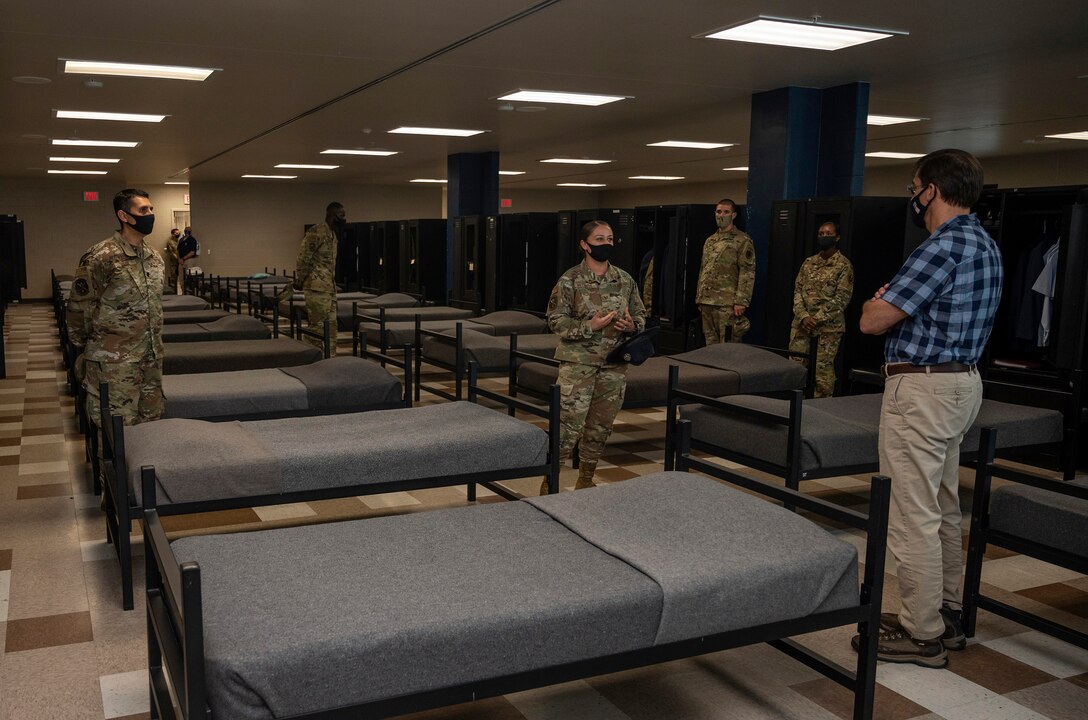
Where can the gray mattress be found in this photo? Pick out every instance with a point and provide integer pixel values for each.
(340, 384)
(230, 327)
(843, 431)
(303, 619)
(1058, 521)
(180, 317)
(490, 353)
(225, 355)
(174, 303)
(400, 323)
(308, 453)
(715, 370)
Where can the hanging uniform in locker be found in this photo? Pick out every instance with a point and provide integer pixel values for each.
(470, 271)
(381, 263)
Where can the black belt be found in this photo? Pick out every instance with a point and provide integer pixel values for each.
(890, 369)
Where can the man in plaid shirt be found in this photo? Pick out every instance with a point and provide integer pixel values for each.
(938, 312)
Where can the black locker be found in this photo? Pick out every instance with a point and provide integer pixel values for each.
(622, 222)
(348, 248)
(423, 258)
(470, 270)
(12, 259)
(521, 252)
(382, 259)
(567, 253)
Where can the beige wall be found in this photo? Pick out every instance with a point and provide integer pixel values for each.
(734, 188)
(548, 200)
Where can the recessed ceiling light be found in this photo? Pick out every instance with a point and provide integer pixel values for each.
(740, 168)
(891, 120)
(77, 172)
(1071, 136)
(511, 172)
(575, 161)
(175, 182)
(124, 117)
(442, 132)
(272, 177)
(580, 185)
(810, 34)
(31, 80)
(428, 180)
(561, 98)
(96, 143)
(164, 72)
(85, 159)
(376, 153)
(894, 155)
(690, 144)
(295, 166)
(656, 177)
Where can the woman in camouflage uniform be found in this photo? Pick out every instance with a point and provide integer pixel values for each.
(593, 307)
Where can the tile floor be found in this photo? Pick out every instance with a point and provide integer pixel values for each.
(68, 651)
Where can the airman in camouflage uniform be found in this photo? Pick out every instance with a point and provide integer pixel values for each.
(820, 295)
(726, 278)
(115, 316)
(316, 270)
(173, 260)
(593, 308)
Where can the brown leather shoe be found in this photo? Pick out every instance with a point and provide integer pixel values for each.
(894, 644)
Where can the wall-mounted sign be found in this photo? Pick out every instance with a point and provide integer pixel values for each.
(186, 198)
(90, 196)
(506, 202)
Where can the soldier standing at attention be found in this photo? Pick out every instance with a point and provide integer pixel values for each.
(821, 292)
(726, 278)
(592, 309)
(115, 315)
(316, 269)
(173, 260)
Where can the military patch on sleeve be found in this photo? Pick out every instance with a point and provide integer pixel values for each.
(81, 288)
(749, 253)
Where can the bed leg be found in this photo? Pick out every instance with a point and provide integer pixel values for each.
(670, 418)
(872, 593)
(976, 541)
(553, 442)
(471, 490)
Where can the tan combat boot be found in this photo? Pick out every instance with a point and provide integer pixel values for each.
(585, 475)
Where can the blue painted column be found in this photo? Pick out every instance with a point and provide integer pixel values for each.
(472, 188)
(803, 143)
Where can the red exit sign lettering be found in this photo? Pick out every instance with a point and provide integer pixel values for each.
(90, 196)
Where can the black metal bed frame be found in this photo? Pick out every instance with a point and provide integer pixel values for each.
(121, 506)
(175, 630)
(982, 535)
(791, 469)
(368, 316)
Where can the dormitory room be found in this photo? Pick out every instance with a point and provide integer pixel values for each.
(544, 360)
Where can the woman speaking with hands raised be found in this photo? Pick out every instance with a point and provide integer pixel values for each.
(593, 308)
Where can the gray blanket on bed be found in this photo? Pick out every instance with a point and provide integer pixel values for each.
(229, 327)
(304, 619)
(346, 382)
(226, 355)
(183, 302)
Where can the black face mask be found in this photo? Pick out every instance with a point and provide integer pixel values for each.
(918, 210)
(825, 242)
(600, 253)
(144, 223)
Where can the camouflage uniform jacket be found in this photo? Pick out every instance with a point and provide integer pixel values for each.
(316, 266)
(115, 305)
(822, 290)
(577, 297)
(728, 271)
(172, 257)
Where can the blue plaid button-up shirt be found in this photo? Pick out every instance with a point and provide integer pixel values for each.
(949, 288)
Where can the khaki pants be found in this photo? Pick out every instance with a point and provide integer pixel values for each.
(923, 419)
(717, 318)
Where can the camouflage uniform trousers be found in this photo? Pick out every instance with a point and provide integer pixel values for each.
(590, 398)
(827, 347)
(717, 318)
(320, 307)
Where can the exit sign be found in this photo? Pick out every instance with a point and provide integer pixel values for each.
(506, 202)
(90, 196)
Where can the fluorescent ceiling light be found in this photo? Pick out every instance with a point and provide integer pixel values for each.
(96, 143)
(295, 166)
(124, 117)
(164, 72)
(809, 34)
(376, 153)
(272, 177)
(511, 172)
(690, 144)
(1071, 136)
(575, 161)
(428, 180)
(742, 168)
(444, 132)
(891, 120)
(894, 155)
(579, 184)
(77, 172)
(561, 98)
(175, 182)
(656, 177)
(85, 159)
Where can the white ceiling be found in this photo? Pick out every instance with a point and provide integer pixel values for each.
(992, 77)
